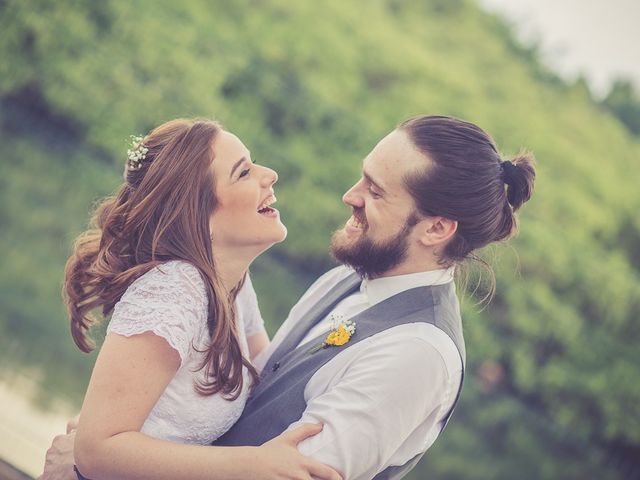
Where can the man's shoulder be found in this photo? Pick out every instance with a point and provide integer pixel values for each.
(335, 275)
(328, 280)
(415, 343)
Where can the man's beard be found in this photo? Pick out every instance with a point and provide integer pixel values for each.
(370, 258)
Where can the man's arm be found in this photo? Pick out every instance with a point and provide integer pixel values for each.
(58, 464)
(380, 409)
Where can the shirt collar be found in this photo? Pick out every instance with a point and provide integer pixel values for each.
(379, 289)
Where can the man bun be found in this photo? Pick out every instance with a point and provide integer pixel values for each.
(467, 181)
(519, 176)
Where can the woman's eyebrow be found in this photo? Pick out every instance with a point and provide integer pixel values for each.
(236, 165)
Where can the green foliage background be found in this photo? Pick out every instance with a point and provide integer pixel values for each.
(310, 87)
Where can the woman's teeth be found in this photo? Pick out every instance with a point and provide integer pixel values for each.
(264, 206)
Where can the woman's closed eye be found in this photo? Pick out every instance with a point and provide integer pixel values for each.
(246, 172)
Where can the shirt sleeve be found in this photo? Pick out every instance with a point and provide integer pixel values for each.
(169, 300)
(383, 398)
(247, 307)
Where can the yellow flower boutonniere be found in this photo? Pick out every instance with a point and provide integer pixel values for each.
(341, 333)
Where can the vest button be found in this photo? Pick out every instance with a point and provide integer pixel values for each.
(275, 367)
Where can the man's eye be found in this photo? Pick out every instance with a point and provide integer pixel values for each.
(244, 173)
(373, 193)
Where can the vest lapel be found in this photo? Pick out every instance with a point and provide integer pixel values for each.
(396, 310)
(279, 399)
(320, 310)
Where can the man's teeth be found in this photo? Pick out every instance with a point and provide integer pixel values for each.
(354, 222)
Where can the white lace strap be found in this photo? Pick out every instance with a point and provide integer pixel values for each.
(169, 300)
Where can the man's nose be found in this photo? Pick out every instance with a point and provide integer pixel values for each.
(353, 197)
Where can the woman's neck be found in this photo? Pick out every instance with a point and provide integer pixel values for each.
(231, 266)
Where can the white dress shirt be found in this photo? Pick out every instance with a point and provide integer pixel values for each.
(383, 400)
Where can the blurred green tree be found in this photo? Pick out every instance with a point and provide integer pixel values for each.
(623, 101)
(310, 87)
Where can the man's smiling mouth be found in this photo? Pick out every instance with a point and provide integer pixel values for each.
(355, 223)
(357, 220)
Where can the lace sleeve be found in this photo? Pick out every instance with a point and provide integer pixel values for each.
(169, 300)
(247, 307)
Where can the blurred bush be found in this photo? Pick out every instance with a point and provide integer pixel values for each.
(311, 87)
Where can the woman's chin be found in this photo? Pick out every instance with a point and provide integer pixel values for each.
(284, 233)
(275, 239)
(279, 233)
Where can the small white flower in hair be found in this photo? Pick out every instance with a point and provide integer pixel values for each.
(137, 153)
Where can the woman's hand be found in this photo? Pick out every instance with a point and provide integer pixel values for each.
(280, 459)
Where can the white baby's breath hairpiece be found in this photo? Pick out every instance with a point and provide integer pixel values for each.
(136, 153)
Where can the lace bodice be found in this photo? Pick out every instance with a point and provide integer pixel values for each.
(171, 301)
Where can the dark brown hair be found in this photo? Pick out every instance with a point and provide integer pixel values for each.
(160, 213)
(466, 180)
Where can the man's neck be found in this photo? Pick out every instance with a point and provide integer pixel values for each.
(412, 266)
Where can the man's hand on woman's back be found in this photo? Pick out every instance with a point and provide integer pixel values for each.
(59, 461)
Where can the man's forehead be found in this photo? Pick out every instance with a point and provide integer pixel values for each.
(394, 152)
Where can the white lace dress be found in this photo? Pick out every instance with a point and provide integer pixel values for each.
(171, 301)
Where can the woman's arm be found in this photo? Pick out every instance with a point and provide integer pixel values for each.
(257, 343)
(129, 376)
(248, 308)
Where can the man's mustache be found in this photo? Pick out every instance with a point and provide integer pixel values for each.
(359, 215)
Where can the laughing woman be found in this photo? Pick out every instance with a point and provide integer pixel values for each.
(168, 260)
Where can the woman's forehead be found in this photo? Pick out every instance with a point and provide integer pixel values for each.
(228, 144)
(228, 150)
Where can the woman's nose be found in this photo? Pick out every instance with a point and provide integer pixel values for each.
(270, 177)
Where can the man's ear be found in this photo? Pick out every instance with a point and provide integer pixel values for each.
(435, 231)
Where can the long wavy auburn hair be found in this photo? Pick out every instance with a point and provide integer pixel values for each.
(160, 213)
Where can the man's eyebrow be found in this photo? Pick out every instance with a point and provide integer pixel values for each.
(236, 165)
(372, 181)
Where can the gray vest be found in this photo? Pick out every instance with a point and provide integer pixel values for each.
(278, 400)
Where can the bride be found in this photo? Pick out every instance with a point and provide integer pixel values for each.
(168, 260)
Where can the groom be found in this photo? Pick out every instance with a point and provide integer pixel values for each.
(385, 383)
(386, 393)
